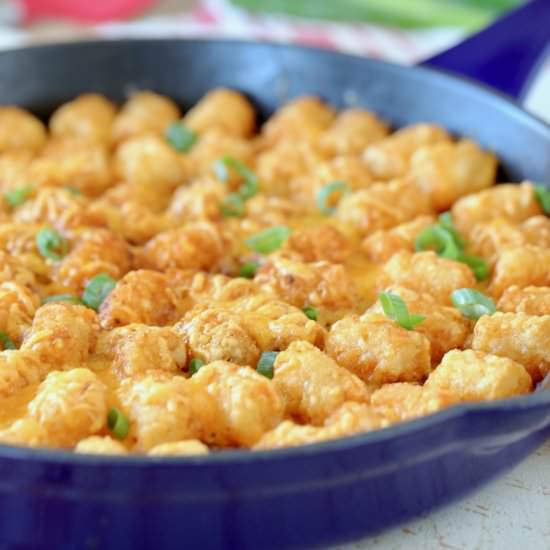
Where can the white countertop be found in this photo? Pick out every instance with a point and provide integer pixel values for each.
(511, 513)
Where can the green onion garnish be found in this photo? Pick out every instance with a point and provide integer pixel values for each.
(265, 364)
(180, 137)
(73, 190)
(447, 243)
(251, 183)
(478, 265)
(18, 196)
(51, 244)
(269, 240)
(328, 193)
(6, 341)
(542, 194)
(69, 298)
(438, 238)
(97, 289)
(194, 365)
(311, 313)
(395, 308)
(118, 424)
(472, 303)
(248, 270)
(233, 206)
(446, 221)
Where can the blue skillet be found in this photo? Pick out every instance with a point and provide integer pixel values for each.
(320, 494)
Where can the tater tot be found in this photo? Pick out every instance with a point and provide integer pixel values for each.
(88, 117)
(144, 113)
(70, 406)
(14, 170)
(382, 206)
(489, 239)
(521, 266)
(200, 201)
(321, 243)
(141, 296)
(190, 447)
(246, 403)
(301, 284)
(512, 202)
(214, 333)
(447, 171)
(212, 146)
(425, 272)
(18, 305)
(98, 445)
(378, 350)
(271, 211)
(20, 130)
(444, 326)
(312, 384)
(390, 157)
(59, 208)
(199, 245)
(25, 432)
(274, 324)
(69, 162)
(476, 376)
(303, 118)
(347, 169)
(384, 243)
(62, 334)
(532, 300)
(96, 251)
(351, 418)
(225, 110)
(13, 270)
(517, 336)
(537, 231)
(404, 401)
(160, 408)
(136, 349)
(19, 369)
(150, 162)
(352, 131)
(278, 166)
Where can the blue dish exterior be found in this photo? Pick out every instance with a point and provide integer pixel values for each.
(303, 497)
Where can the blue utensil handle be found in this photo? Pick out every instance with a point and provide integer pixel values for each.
(506, 54)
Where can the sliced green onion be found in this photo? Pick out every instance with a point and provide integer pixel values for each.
(248, 270)
(395, 308)
(51, 244)
(472, 303)
(328, 193)
(251, 183)
(118, 424)
(194, 365)
(233, 206)
(542, 194)
(478, 265)
(438, 238)
(180, 137)
(73, 190)
(18, 196)
(311, 313)
(269, 240)
(446, 221)
(97, 289)
(6, 341)
(70, 298)
(265, 364)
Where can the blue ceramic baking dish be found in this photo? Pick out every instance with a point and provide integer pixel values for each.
(319, 494)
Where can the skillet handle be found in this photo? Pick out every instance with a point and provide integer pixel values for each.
(506, 54)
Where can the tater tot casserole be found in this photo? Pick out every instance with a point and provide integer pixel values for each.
(179, 284)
